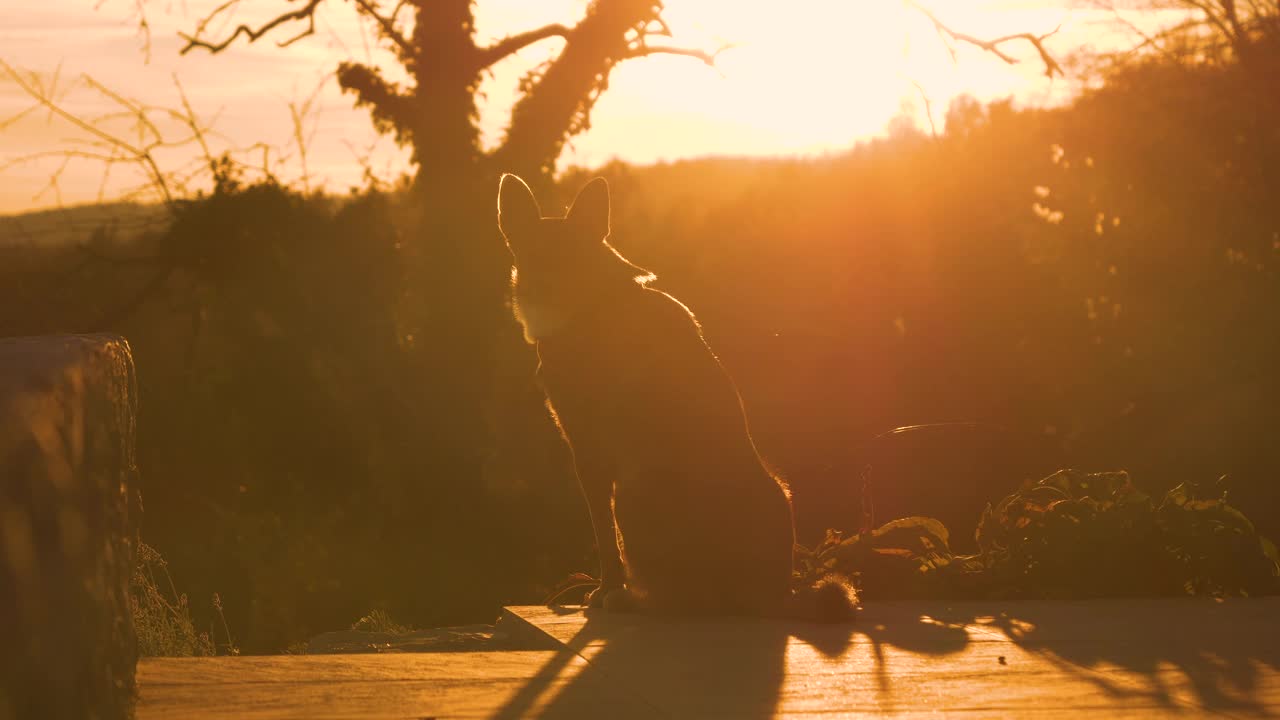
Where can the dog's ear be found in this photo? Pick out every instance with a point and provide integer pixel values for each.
(517, 209)
(590, 210)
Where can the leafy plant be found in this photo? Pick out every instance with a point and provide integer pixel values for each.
(1069, 535)
(1214, 545)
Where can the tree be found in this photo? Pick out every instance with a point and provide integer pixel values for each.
(436, 112)
(1206, 29)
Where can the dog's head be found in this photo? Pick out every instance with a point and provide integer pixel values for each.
(562, 264)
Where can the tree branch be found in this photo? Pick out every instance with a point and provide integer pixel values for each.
(311, 30)
(1051, 66)
(388, 25)
(928, 108)
(644, 50)
(1212, 16)
(1152, 40)
(306, 12)
(207, 19)
(556, 100)
(390, 106)
(141, 156)
(514, 43)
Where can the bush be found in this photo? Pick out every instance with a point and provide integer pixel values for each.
(1070, 535)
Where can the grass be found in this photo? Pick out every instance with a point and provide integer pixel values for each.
(379, 621)
(162, 615)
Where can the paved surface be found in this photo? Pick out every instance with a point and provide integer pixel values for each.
(1116, 659)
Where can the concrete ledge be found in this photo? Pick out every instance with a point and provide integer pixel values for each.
(1124, 658)
(68, 527)
(1135, 658)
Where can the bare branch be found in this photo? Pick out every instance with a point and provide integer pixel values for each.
(311, 30)
(1219, 21)
(138, 147)
(306, 12)
(514, 43)
(102, 157)
(144, 26)
(298, 113)
(1051, 66)
(197, 131)
(1158, 40)
(388, 25)
(132, 109)
(1208, 26)
(1147, 40)
(142, 156)
(208, 19)
(928, 108)
(16, 117)
(645, 50)
(662, 29)
(395, 12)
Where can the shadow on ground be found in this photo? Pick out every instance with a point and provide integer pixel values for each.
(1208, 654)
(722, 667)
(1144, 656)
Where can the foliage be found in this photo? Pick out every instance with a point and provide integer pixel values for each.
(1070, 535)
(162, 616)
(906, 558)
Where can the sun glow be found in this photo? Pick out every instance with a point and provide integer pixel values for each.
(813, 77)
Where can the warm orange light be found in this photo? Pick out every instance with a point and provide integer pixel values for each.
(816, 77)
(809, 77)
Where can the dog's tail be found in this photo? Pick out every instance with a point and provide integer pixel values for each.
(830, 600)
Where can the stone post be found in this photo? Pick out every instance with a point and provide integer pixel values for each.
(68, 527)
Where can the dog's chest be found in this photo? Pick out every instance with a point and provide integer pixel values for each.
(599, 389)
(539, 320)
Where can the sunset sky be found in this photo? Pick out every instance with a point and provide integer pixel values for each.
(818, 79)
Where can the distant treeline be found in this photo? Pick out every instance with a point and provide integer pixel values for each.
(1094, 287)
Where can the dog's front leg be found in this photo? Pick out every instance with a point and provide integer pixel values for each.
(596, 478)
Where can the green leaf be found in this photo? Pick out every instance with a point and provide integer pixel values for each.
(909, 532)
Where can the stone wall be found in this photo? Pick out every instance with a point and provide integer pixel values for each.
(68, 526)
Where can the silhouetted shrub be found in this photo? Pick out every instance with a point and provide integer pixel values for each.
(1069, 535)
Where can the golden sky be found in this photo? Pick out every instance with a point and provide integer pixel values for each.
(827, 74)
